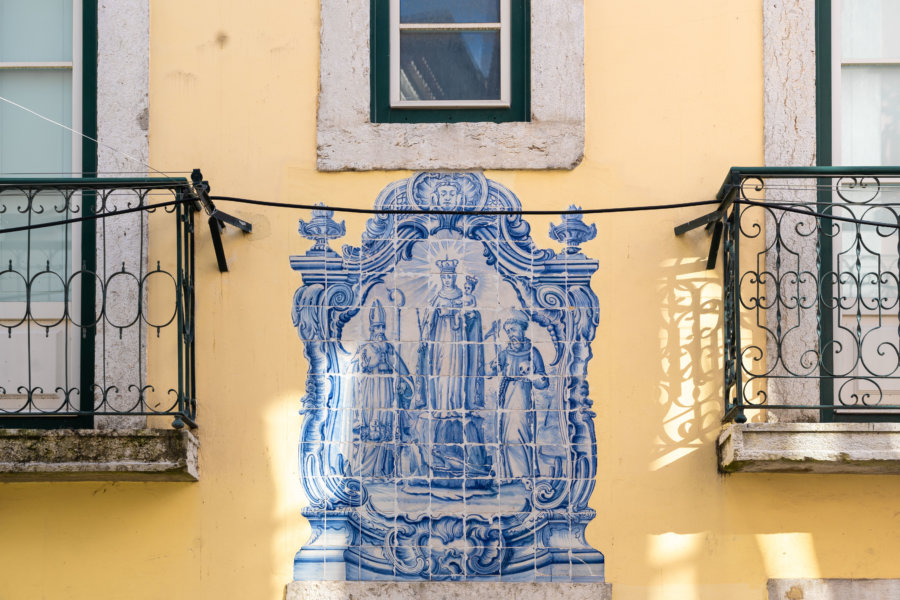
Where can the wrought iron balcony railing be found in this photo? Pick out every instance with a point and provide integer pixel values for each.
(811, 292)
(86, 304)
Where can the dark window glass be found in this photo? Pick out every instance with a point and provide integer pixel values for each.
(449, 11)
(430, 39)
(450, 65)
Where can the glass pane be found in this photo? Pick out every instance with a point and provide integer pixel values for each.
(40, 256)
(51, 360)
(870, 115)
(450, 65)
(29, 144)
(35, 30)
(449, 11)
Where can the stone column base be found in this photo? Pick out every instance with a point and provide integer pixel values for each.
(445, 590)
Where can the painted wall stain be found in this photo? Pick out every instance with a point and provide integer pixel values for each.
(795, 593)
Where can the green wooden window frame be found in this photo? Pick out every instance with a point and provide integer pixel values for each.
(89, 166)
(520, 75)
(823, 159)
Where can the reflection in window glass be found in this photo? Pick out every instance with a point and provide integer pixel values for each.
(870, 105)
(35, 30)
(449, 11)
(29, 144)
(868, 257)
(450, 65)
(869, 29)
(25, 255)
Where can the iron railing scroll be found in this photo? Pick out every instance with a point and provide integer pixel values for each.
(811, 292)
(86, 302)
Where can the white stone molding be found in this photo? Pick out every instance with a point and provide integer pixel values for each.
(789, 72)
(123, 67)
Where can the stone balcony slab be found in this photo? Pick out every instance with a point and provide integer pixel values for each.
(98, 455)
(871, 448)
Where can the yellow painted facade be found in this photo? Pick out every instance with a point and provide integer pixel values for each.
(674, 97)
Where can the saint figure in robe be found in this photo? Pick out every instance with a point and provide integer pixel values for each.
(381, 383)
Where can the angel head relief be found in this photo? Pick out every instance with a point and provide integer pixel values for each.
(447, 195)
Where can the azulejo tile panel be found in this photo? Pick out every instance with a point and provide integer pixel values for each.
(448, 433)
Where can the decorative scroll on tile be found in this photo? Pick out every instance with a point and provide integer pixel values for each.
(447, 432)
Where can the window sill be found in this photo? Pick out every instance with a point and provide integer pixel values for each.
(98, 455)
(868, 448)
(459, 146)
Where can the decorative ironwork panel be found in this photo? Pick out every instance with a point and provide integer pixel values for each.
(448, 432)
(812, 312)
(81, 301)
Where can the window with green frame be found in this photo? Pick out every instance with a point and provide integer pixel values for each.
(447, 61)
(858, 124)
(48, 64)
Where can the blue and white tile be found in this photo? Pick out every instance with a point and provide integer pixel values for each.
(400, 472)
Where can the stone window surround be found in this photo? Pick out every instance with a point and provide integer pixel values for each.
(123, 71)
(795, 444)
(553, 139)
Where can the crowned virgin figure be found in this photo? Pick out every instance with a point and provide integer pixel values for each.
(449, 363)
(381, 383)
